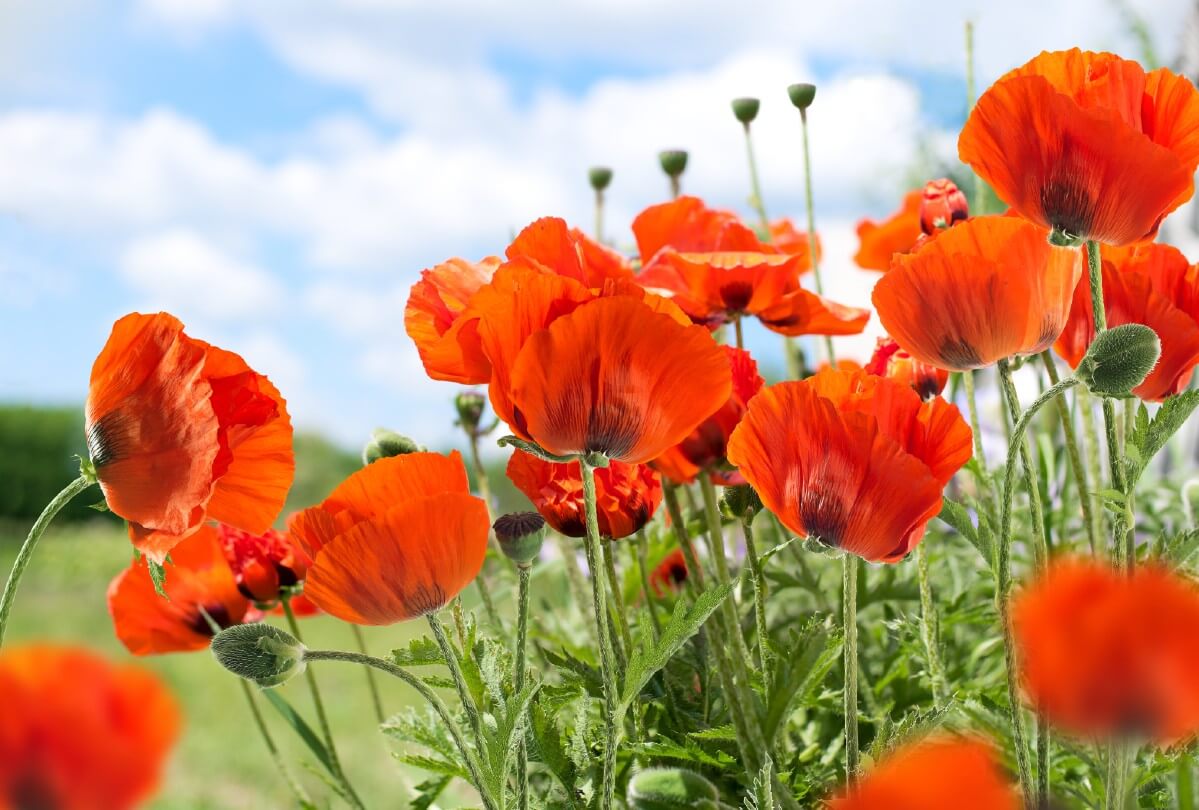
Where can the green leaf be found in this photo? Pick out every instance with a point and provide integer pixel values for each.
(1178, 549)
(421, 651)
(424, 729)
(302, 729)
(99, 506)
(648, 658)
(547, 745)
(799, 670)
(158, 576)
(761, 797)
(432, 765)
(500, 741)
(1150, 436)
(427, 792)
(725, 733)
(958, 519)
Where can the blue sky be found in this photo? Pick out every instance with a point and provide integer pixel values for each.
(277, 174)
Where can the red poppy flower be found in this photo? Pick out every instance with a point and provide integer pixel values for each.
(669, 575)
(987, 289)
(686, 225)
(705, 448)
(180, 431)
(199, 581)
(1103, 654)
(396, 540)
(433, 319)
(889, 360)
(786, 238)
(79, 733)
(1088, 144)
(627, 495)
(942, 205)
(878, 241)
(854, 460)
(934, 774)
(1150, 284)
(553, 246)
(263, 564)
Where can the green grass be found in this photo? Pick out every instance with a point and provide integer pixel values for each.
(220, 761)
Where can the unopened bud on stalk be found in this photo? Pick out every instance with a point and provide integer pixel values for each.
(520, 535)
(942, 205)
(1119, 360)
(470, 406)
(261, 653)
(740, 502)
(669, 788)
(385, 443)
(746, 109)
(802, 95)
(600, 177)
(674, 162)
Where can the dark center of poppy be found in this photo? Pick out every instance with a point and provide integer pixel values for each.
(425, 598)
(736, 295)
(108, 438)
(957, 353)
(219, 614)
(823, 517)
(1065, 200)
(614, 421)
(677, 573)
(32, 793)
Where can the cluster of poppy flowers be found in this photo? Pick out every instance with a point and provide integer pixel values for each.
(587, 353)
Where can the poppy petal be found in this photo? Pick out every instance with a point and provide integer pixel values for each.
(447, 344)
(878, 241)
(804, 313)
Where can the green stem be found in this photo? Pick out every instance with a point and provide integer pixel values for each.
(1117, 771)
(1036, 512)
(928, 621)
(522, 632)
(451, 662)
(646, 590)
(759, 584)
(695, 573)
(618, 607)
(808, 201)
(35, 534)
(978, 203)
(737, 332)
(1077, 469)
(360, 641)
(849, 619)
(719, 558)
(607, 663)
(599, 216)
(296, 788)
(1184, 780)
(756, 201)
(484, 485)
(574, 578)
(319, 705)
(675, 188)
(459, 621)
(975, 425)
(1090, 440)
(424, 690)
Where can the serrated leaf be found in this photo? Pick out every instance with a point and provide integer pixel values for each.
(725, 733)
(500, 742)
(1151, 435)
(957, 517)
(158, 576)
(421, 651)
(548, 748)
(1179, 548)
(799, 670)
(761, 796)
(427, 792)
(99, 506)
(432, 764)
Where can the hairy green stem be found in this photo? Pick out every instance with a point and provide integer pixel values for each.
(260, 723)
(759, 585)
(647, 592)
(721, 564)
(484, 485)
(811, 210)
(455, 668)
(849, 621)
(618, 607)
(523, 572)
(695, 573)
(1077, 469)
(1184, 781)
(975, 425)
(928, 622)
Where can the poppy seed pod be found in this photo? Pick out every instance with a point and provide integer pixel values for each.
(746, 109)
(469, 405)
(673, 161)
(261, 653)
(667, 788)
(520, 535)
(802, 95)
(386, 443)
(599, 177)
(740, 502)
(1119, 360)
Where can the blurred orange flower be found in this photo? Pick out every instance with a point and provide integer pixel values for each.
(433, 319)
(198, 582)
(786, 238)
(854, 460)
(686, 225)
(1152, 284)
(79, 733)
(878, 241)
(939, 773)
(1103, 653)
(263, 564)
(180, 431)
(942, 205)
(396, 540)
(1088, 144)
(627, 495)
(669, 575)
(985, 290)
(889, 360)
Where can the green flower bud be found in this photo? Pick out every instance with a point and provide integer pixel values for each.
(600, 177)
(673, 161)
(1119, 360)
(802, 95)
(261, 653)
(470, 406)
(668, 788)
(385, 443)
(746, 109)
(740, 502)
(520, 535)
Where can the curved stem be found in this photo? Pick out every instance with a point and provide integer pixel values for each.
(451, 662)
(1036, 512)
(423, 689)
(759, 584)
(35, 534)
(928, 621)
(808, 197)
(622, 619)
(318, 704)
(975, 425)
(522, 632)
(849, 620)
(360, 642)
(1077, 469)
(484, 485)
(296, 788)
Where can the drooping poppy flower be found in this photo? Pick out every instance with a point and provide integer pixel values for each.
(396, 540)
(786, 238)
(1104, 654)
(1087, 144)
(705, 449)
(627, 495)
(552, 245)
(79, 733)
(199, 586)
(686, 225)
(263, 564)
(889, 360)
(942, 205)
(1151, 284)
(854, 460)
(669, 575)
(180, 431)
(878, 241)
(433, 319)
(985, 290)
(938, 773)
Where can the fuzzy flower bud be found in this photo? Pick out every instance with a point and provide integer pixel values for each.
(261, 653)
(520, 535)
(1119, 360)
(942, 206)
(669, 788)
(740, 502)
(746, 109)
(385, 443)
(470, 406)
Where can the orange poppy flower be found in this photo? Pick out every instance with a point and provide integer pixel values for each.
(1087, 144)
(987, 289)
(433, 319)
(1152, 284)
(686, 225)
(1103, 654)
(79, 733)
(853, 460)
(198, 581)
(669, 575)
(786, 238)
(942, 205)
(878, 241)
(706, 447)
(180, 431)
(889, 360)
(552, 245)
(396, 540)
(938, 773)
(263, 564)
(627, 495)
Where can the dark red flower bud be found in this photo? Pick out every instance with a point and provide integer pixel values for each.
(263, 565)
(889, 360)
(942, 206)
(670, 574)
